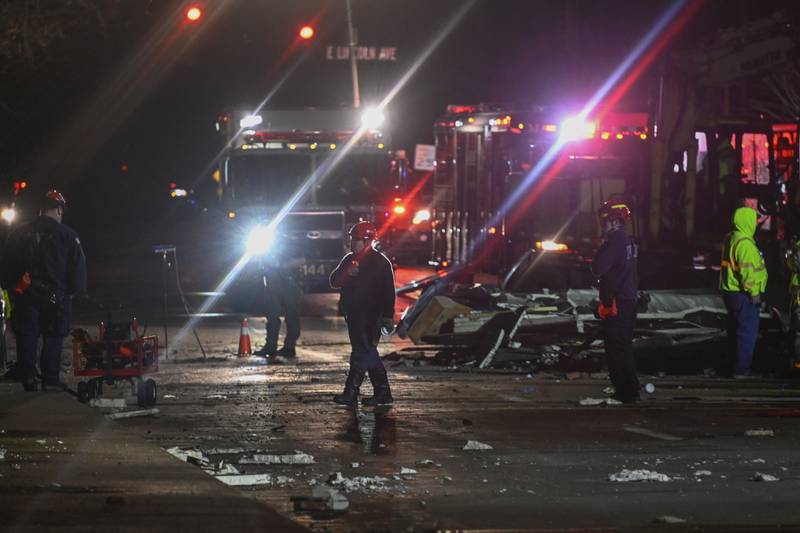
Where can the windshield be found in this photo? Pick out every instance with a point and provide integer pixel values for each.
(267, 179)
(359, 179)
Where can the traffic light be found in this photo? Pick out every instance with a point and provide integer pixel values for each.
(194, 13)
(306, 32)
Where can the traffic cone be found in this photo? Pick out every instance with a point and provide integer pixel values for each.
(244, 340)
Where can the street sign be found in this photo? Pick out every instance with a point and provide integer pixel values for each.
(425, 157)
(362, 53)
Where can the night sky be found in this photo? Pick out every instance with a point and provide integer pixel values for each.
(64, 126)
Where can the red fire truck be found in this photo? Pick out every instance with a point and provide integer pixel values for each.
(681, 192)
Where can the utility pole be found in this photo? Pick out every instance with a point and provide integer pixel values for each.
(353, 65)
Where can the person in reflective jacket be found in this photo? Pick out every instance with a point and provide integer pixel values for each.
(615, 264)
(366, 279)
(45, 267)
(743, 281)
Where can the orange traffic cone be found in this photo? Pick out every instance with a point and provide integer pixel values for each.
(244, 340)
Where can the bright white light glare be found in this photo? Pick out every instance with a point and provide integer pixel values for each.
(423, 215)
(175, 193)
(250, 121)
(261, 240)
(372, 118)
(8, 214)
(576, 128)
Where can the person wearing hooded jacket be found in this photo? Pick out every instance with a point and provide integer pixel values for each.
(743, 281)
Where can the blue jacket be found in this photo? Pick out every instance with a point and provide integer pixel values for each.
(615, 263)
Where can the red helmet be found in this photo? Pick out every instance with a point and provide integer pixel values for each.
(363, 231)
(55, 197)
(614, 210)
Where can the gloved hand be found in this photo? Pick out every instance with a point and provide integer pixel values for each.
(606, 311)
(387, 326)
(755, 299)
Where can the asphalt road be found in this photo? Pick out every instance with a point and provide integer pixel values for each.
(550, 459)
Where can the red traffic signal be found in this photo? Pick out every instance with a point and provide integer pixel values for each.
(306, 32)
(194, 13)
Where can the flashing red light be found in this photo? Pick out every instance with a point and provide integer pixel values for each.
(194, 13)
(123, 167)
(306, 32)
(399, 209)
(173, 185)
(23, 185)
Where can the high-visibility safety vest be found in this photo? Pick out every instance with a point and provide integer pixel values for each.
(743, 268)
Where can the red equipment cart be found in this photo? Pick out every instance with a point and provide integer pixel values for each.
(120, 354)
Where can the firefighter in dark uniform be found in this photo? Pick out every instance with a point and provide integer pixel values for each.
(282, 297)
(45, 267)
(366, 279)
(615, 265)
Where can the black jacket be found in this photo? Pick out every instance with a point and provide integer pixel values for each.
(51, 252)
(371, 291)
(615, 263)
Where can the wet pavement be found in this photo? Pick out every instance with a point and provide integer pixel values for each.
(550, 458)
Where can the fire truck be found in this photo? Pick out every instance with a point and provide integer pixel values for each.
(681, 197)
(279, 158)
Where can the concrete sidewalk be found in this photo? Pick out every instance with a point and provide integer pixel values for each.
(68, 468)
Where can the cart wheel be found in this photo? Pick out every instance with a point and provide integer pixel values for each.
(147, 393)
(83, 392)
(92, 389)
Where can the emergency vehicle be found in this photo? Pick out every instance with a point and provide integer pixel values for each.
(272, 154)
(681, 198)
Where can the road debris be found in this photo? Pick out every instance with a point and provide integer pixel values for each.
(3, 453)
(189, 455)
(132, 414)
(699, 473)
(669, 519)
(625, 476)
(476, 445)
(591, 402)
(334, 499)
(651, 433)
(355, 465)
(170, 397)
(246, 480)
(216, 397)
(297, 458)
(760, 432)
(359, 483)
(428, 462)
(108, 403)
(407, 471)
(759, 476)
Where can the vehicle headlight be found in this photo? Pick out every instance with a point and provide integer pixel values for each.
(423, 215)
(8, 214)
(260, 240)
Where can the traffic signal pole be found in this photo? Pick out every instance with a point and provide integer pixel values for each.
(353, 65)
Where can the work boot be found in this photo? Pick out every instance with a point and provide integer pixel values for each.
(266, 351)
(58, 386)
(626, 398)
(381, 393)
(288, 352)
(351, 387)
(30, 384)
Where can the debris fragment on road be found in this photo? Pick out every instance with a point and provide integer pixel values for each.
(132, 414)
(625, 476)
(476, 445)
(760, 432)
(245, 480)
(334, 499)
(404, 471)
(669, 519)
(591, 402)
(359, 483)
(108, 403)
(699, 473)
(297, 458)
(760, 476)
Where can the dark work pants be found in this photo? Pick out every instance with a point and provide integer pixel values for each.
(30, 323)
(793, 339)
(618, 339)
(283, 298)
(743, 318)
(364, 335)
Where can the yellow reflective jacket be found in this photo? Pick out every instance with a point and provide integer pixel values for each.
(743, 268)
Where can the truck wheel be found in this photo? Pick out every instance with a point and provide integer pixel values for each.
(83, 392)
(147, 393)
(92, 390)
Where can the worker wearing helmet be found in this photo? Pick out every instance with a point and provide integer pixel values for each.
(615, 264)
(742, 280)
(45, 268)
(366, 280)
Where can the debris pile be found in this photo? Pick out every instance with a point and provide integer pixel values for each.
(456, 324)
(626, 476)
